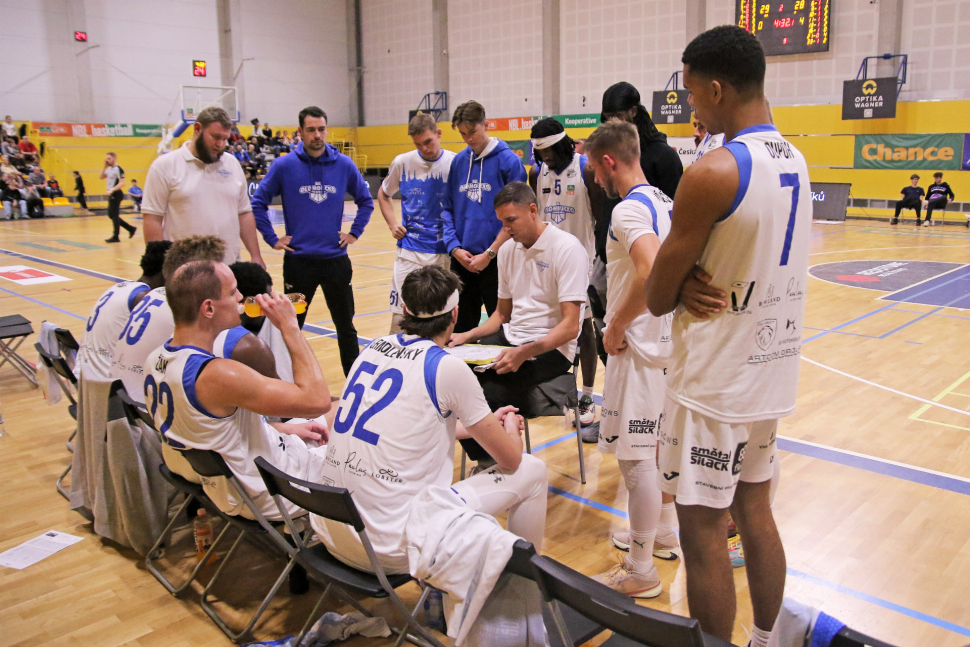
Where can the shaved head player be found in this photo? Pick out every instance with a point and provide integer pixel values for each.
(743, 213)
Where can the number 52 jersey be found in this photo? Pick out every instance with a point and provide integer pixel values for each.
(742, 364)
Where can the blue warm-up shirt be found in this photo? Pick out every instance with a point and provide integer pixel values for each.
(313, 190)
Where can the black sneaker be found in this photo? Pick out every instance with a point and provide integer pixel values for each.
(894, 221)
(112, 240)
(587, 410)
(131, 232)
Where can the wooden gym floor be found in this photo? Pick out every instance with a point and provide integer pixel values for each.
(873, 506)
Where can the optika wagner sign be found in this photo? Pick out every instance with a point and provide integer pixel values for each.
(671, 107)
(931, 152)
(869, 98)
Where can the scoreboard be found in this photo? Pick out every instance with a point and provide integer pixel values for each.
(787, 26)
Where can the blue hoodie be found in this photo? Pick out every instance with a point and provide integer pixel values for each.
(313, 190)
(469, 217)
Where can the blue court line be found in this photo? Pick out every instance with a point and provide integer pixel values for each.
(374, 267)
(914, 342)
(933, 287)
(885, 604)
(46, 305)
(588, 502)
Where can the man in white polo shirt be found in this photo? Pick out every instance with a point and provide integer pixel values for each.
(542, 280)
(201, 190)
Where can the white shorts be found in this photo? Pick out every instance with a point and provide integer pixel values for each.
(406, 262)
(633, 401)
(702, 459)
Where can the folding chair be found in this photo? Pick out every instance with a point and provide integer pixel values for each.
(632, 625)
(191, 491)
(852, 638)
(61, 371)
(209, 464)
(336, 504)
(14, 329)
(581, 629)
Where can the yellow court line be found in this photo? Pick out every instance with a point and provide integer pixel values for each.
(945, 392)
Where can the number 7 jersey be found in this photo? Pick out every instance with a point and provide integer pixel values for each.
(742, 364)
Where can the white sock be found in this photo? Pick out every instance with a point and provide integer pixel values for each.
(588, 390)
(759, 638)
(668, 514)
(644, 508)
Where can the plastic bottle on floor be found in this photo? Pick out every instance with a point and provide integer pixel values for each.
(434, 611)
(202, 528)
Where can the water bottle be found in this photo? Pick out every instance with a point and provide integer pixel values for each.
(202, 529)
(434, 611)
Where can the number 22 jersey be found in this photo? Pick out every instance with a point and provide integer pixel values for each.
(394, 434)
(742, 364)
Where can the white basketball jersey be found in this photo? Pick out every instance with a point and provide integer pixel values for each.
(108, 317)
(645, 210)
(742, 365)
(564, 201)
(149, 326)
(709, 143)
(274, 339)
(239, 438)
(390, 440)
(226, 341)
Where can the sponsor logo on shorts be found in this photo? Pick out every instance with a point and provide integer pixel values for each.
(670, 476)
(711, 458)
(388, 475)
(770, 298)
(608, 440)
(738, 459)
(778, 354)
(794, 291)
(764, 333)
(643, 426)
(354, 468)
(791, 328)
(332, 456)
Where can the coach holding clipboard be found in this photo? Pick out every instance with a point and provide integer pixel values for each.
(313, 181)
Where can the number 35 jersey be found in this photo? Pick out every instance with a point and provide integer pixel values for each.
(149, 326)
(394, 434)
(742, 364)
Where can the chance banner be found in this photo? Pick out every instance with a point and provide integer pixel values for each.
(932, 152)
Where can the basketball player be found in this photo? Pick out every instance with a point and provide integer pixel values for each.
(571, 200)
(252, 279)
(150, 324)
(707, 142)
(422, 177)
(639, 347)
(743, 213)
(111, 312)
(204, 402)
(409, 377)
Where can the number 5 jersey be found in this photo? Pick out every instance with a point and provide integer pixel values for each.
(742, 364)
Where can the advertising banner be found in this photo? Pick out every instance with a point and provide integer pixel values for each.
(524, 150)
(966, 152)
(98, 130)
(685, 147)
(579, 121)
(940, 151)
(869, 98)
(671, 107)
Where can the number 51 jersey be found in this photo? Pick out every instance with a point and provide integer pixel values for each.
(742, 364)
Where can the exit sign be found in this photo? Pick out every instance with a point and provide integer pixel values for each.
(81, 36)
(198, 68)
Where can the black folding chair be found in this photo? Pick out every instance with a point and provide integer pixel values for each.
(580, 628)
(192, 492)
(14, 329)
(632, 625)
(61, 371)
(337, 505)
(851, 638)
(209, 464)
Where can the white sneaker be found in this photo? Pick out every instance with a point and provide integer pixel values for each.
(636, 585)
(665, 548)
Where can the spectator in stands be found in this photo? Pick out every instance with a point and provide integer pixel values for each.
(243, 156)
(10, 128)
(34, 200)
(54, 187)
(6, 168)
(912, 199)
(79, 188)
(10, 195)
(255, 123)
(937, 195)
(135, 193)
(267, 131)
(27, 149)
(37, 178)
(257, 158)
(9, 146)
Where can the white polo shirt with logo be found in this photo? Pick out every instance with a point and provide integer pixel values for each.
(554, 270)
(196, 199)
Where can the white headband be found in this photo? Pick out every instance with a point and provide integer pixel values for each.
(451, 305)
(546, 142)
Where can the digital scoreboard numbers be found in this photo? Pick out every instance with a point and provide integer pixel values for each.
(787, 26)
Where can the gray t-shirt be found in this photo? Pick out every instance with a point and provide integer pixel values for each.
(112, 176)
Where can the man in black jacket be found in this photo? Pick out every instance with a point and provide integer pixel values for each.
(937, 195)
(912, 199)
(79, 187)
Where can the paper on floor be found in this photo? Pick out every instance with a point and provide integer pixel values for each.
(31, 552)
